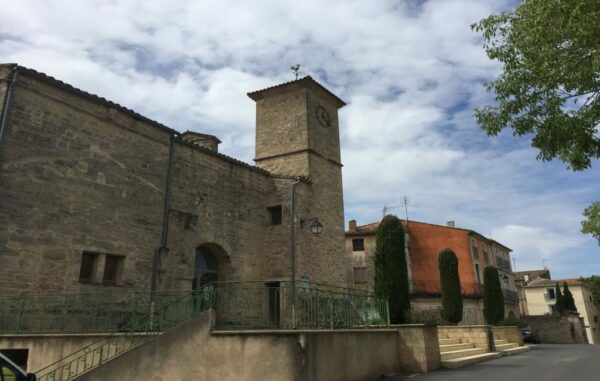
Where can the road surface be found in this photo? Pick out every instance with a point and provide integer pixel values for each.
(546, 362)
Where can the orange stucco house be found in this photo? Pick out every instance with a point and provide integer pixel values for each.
(424, 241)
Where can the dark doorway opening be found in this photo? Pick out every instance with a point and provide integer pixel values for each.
(274, 302)
(18, 356)
(206, 269)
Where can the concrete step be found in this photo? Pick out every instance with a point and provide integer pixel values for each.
(501, 347)
(449, 341)
(461, 353)
(501, 341)
(515, 350)
(463, 361)
(455, 347)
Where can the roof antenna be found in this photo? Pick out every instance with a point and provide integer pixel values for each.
(295, 69)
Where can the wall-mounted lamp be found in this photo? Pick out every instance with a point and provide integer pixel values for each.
(315, 226)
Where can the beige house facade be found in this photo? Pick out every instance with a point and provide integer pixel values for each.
(540, 297)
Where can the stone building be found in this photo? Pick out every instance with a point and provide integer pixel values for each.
(97, 197)
(424, 242)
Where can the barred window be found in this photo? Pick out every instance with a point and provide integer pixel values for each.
(358, 244)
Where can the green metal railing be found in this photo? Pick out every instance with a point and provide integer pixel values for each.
(271, 305)
(129, 336)
(78, 313)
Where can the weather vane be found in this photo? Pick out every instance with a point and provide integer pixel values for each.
(295, 69)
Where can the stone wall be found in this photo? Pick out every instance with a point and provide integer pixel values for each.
(418, 348)
(479, 335)
(557, 329)
(510, 334)
(193, 351)
(81, 174)
(76, 176)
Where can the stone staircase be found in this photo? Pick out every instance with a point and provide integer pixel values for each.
(456, 354)
(507, 348)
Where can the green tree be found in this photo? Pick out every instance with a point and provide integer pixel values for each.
(569, 300)
(493, 300)
(560, 300)
(391, 272)
(593, 283)
(549, 86)
(452, 303)
(591, 224)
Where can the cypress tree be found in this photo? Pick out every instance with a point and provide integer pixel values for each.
(569, 300)
(452, 303)
(560, 300)
(493, 300)
(391, 272)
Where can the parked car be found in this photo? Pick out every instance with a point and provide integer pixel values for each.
(10, 372)
(529, 335)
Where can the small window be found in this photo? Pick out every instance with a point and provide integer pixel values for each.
(595, 319)
(358, 244)
(477, 273)
(526, 277)
(551, 293)
(88, 261)
(275, 215)
(360, 275)
(112, 269)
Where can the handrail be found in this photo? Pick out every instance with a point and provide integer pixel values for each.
(133, 334)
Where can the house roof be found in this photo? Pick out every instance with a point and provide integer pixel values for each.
(543, 282)
(371, 229)
(533, 274)
(307, 81)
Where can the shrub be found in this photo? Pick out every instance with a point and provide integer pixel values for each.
(493, 300)
(391, 272)
(431, 318)
(452, 303)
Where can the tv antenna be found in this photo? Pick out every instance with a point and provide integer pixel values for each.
(387, 208)
(544, 263)
(295, 69)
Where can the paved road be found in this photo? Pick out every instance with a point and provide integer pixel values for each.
(545, 363)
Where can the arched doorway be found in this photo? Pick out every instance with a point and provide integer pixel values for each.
(206, 268)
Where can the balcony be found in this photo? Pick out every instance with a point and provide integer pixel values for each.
(549, 297)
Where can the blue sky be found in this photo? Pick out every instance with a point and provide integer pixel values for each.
(411, 73)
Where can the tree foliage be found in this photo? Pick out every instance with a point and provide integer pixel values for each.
(593, 283)
(549, 86)
(452, 303)
(591, 224)
(569, 300)
(391, 272)
(560, 300)
(493, 300)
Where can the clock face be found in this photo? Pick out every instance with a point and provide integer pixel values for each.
(323, 117)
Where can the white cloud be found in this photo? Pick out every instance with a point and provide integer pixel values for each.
(410, 71)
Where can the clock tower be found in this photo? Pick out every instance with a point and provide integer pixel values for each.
(297, 135)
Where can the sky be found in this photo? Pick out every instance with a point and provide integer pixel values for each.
(412, 72)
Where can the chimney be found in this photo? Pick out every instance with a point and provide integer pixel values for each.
(352, 225)
(209, 142)
(450, 224)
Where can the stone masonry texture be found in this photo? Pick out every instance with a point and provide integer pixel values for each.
(81, 174)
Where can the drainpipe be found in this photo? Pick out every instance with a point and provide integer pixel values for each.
(165, 228)
(293, 246)
(7, 103)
